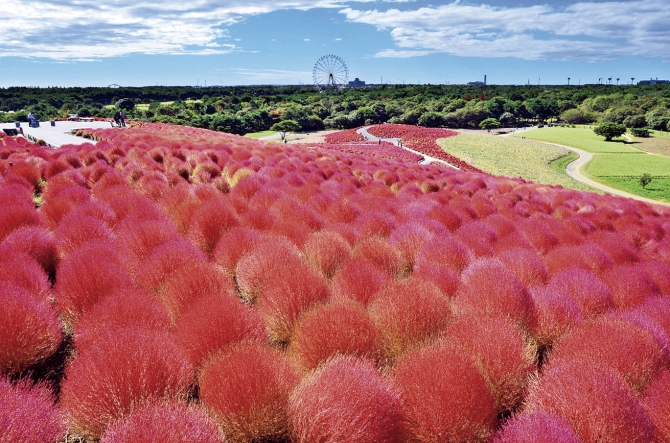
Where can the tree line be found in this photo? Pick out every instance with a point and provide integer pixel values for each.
(245, 109)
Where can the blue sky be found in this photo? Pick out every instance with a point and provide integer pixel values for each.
(242, 42)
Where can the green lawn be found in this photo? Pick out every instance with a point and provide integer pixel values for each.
(628, 165)
(583, 138)
(260, 134)
(658, 189)
(513, 157)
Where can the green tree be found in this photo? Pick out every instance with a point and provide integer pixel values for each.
(286, 126)
(125, 103)
(431, 120)
(645, 180)
(610, 130)
(489, 123)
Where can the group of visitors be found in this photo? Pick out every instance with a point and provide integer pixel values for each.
(120, 118)
(33, 120)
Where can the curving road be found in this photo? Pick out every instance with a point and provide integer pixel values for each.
(426, 158)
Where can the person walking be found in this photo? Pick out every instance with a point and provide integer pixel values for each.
(122, 116)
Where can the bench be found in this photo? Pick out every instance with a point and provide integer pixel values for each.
(86, 119)
(73, 117)
(11, 132)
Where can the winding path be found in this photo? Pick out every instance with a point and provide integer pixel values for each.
(574, 170)
(426, 158)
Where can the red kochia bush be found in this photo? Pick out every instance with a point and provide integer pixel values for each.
(165, 259)
(358, 279)
(383, 255)
(628, 349)
(500, 352)
(37, 242)
(73, 232)
(87, 275)
(588, 256)
(165, 422)
(526, 265)
(409, 313)
(446, 250)
(21, 269)
(489, 288)
(326, 251)
(594, 400)
(247, 388)
(28, 414)
(15, 216)
(537, 428)
(339, 327)
(128, 368)
(232, 246)
(630, 285)
(30, 329)
(213, 323)
(657, 404)
(346, 400)
(556, 313)
(210, 221)
(444, 396)
(591, 294)
(445, 278)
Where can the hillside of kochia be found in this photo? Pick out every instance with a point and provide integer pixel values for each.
(171, 283)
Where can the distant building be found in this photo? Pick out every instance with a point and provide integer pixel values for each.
(651, 81)
(478, 83)
(356, 83)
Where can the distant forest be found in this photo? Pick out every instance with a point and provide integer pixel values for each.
(246, 109)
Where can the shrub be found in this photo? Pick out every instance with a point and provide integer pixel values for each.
(594, 400)
(409, 313)
(326, 251)
(489, 288)
(526, 265)
(38, 242)
(74, 232)
(358, 279)
(630, 350)
(58, 206)
(247, 388)
(408, 239)
(444, 396)
(87, 275)
(164, 260)
(588, 256)
(557, 313)
(536, 428)
(500, 352)
(28, 413)
(346, 400)
(656, 402)
(479, 237)
(445, 278)
(165, 422)
(232, 246)
(15, 216)
(609, 130)
(213, 323)
(445, 250)
(591, 294)
(22, 270)
(340, 327)
(209, 222)
(125, 309)
(383, 255)
(629, 285)
(30, 331)
(128, 368)
(140, 238)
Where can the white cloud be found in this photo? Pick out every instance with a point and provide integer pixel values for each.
(582, 31)
(306, 39)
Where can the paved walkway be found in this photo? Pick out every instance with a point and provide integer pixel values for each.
(59, 135)
(426, 158)
(574, 170)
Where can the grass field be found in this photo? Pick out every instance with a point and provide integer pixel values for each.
(658, 143)
(513, 157)
(658, 189)
(582, 138)
(260, 134)
(628, 165)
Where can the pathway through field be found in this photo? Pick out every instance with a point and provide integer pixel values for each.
(426, 158)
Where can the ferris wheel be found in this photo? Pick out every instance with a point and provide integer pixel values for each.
(330, 71)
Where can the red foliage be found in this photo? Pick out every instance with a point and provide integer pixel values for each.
(537, 428)
(657, 404)
(87, 275)
(28, 414)
(247, 388)
(326, 251)
(588, 256)
(659, 272)
(488, 288)
(479, 237)
(446, 250)
(594, 400)
(22, 270)
(409, 239)
(30, 331)
(556, 312)
(358, 279)
(58, 206)
(165, 422)
(35, 241)
(499, 350)
(444, 396)
(526, 265)
(209, 222)
(73, 232)
(346, 400)
(446, 279)
(591, 294)
(127, 369)
(629, 285)
(409, 313)
(349, 135)
(213, 323)
(15, 216)
(630, 350)
(383, 255)
(341, 327)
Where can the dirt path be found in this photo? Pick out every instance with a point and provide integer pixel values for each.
(574, 170)
(426, 158)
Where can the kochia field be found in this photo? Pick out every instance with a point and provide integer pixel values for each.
(171, 284)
